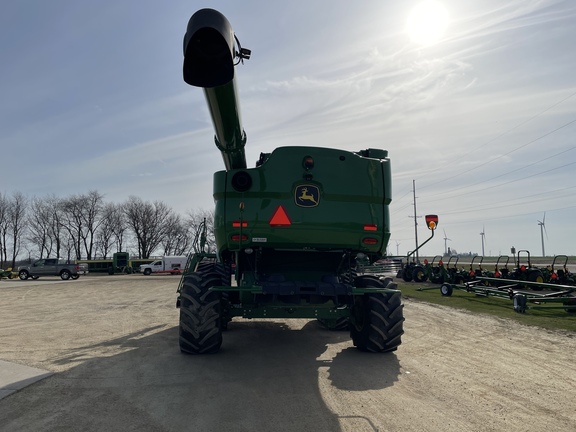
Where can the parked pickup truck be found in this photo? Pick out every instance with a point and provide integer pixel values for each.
(52, 267)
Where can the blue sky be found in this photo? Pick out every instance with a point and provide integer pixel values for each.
(483, 118)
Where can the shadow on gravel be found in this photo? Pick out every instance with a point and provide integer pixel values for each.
(354, 370)
(265, 378)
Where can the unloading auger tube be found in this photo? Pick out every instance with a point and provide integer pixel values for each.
(209, 58)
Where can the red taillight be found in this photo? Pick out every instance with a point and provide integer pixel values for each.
(369, 241)
(370, 227)
(472, 273)
(523, 268)
(237, 238)
(553, 276)
(497, 274)
(238, 224)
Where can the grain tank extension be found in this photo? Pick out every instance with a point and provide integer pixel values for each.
(290, 230)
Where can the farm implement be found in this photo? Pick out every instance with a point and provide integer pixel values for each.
(525, 271)
(8, 274)
(556, 296)
(413, 270)
(558, 273)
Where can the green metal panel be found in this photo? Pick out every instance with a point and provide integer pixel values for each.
(344, 195)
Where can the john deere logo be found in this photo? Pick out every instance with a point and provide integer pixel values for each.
(307, 196)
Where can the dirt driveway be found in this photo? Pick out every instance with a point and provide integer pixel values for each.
(112, 343)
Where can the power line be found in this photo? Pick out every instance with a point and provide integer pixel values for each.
(511, 181)
(482, 146)
(508, 204)
(468, 221)
(509, 172)
(505, 154)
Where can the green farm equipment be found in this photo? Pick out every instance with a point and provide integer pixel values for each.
(555, 297)
(8, 274)
(438, 274)
(525, 271)
(558, 272)
(501, 269)
(289, 231)
(456, 274)
(478, 271)
(495, 284)
(412, 269)
(427, 271)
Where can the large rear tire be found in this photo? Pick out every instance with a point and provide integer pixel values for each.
(407, 274)
(536, 276)
(200, 314)
(376, 319)
(419, 275)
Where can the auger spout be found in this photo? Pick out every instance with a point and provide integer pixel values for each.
(209, 60)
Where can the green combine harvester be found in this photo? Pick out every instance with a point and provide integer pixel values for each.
(290, 231)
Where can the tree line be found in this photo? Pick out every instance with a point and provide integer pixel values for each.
(85, 226)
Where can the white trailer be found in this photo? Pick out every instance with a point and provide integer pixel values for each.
(167, 264)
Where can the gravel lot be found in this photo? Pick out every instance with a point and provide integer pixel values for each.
(112, 343)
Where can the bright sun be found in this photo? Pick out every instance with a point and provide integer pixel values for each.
(427, 22)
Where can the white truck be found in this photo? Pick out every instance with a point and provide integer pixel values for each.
(167, 264)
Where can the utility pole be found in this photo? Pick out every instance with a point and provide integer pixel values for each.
(415, 219)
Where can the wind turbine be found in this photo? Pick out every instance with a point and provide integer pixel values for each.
(446, 239)
(482, 234)
(397, 244)
(542, 225)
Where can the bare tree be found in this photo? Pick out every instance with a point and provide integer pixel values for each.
(17, 222)
(178, 237)
(111, 230)
(85, 225)
(55, 222)
(118, 225)
(92, 219)
(82, 215)
(73, 222)
(39, 227)
(4, 204)
(146, 220)
(194, 222)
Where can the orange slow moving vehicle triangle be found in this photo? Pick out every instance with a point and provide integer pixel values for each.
(280, 218)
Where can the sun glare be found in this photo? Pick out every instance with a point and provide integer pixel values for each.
(427, 22)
